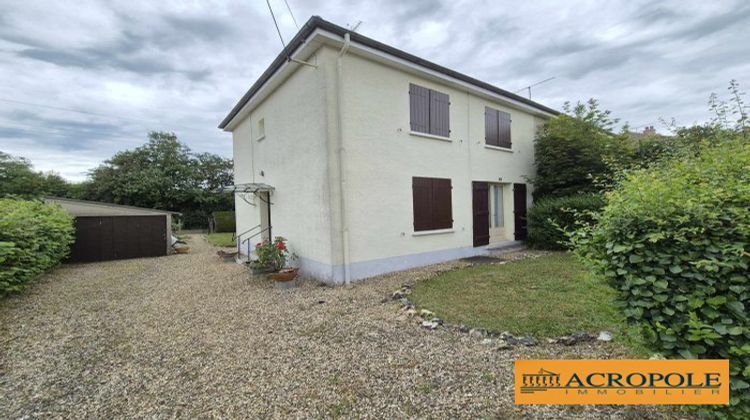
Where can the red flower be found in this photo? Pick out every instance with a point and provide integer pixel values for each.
(280, 246)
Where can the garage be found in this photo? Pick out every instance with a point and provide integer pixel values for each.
(106, 231)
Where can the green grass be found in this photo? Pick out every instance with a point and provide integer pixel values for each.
(547, 296)
(221, 239)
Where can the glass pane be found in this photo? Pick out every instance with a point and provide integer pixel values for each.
(497, 196)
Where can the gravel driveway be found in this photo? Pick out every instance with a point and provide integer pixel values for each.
(190, 336)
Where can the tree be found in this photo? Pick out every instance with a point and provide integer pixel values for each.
(18, 178)
(164, 174)
(573, 149)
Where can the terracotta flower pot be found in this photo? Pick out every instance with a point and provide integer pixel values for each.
(286, 274)
(182, 250)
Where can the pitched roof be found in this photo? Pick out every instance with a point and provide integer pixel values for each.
(120, 208)
(316, 22)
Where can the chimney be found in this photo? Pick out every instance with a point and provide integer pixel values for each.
(649, 130)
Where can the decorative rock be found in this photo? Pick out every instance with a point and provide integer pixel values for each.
(487, 341)
(430, 325)
(424, 313)
(501, 345)
(405, 302)
(476, 332)
(463, 328)
(526, 341)
(411, 312)
(604, 336)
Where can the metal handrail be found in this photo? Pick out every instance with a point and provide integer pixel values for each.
(251, 237)
(239, 237)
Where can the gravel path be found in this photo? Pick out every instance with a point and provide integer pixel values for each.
(190, 336)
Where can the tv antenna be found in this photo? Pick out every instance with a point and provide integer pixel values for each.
(528, 88)
(355, 27)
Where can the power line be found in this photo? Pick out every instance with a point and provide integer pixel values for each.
(283, 44)
(72, 110)
(79, 111)
(291, 14)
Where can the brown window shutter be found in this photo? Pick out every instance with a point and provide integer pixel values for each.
(442, 205)
(439, 114)
(491, 136)
(419, 108)
(422, 199)
(504, 129)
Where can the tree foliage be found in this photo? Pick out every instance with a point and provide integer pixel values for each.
(164, 174)
(572, 151)
(18, 179)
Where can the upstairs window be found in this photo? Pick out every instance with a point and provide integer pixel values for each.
(496, 128)
(429, 111)
(432, 203)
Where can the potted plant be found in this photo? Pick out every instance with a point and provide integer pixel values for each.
(272, 257)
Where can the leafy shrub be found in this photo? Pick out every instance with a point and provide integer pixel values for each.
(224, 221)
(34, 237)
(674, 240)
(551, 217)
(572, 151)
(272, 255)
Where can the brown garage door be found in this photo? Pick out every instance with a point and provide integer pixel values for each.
(118, 237)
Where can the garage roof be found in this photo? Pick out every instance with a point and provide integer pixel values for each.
(95, 208)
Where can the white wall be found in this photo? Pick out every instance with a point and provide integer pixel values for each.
(382, 157)
(299, 157)
(293, 158)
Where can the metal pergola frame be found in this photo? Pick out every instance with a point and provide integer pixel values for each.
(247, 189)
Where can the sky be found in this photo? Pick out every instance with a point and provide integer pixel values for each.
(80, 81)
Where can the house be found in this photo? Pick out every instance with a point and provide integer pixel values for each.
(105, 231)
(370, 160)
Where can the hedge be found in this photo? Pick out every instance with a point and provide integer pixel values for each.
(34, 237)
(551, 217)
(675, 242)
(224, 221)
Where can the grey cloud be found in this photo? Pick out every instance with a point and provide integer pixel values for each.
(188, 65)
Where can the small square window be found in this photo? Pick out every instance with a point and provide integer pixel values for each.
(261, 134)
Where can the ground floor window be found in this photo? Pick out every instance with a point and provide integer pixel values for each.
(431, 198)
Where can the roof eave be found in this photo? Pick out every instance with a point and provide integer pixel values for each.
(316, 22)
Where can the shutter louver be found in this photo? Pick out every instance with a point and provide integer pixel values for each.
(439, 113)
(490, 127)
(442, 206)
(503, 129)
(419, 108)
(422, 201)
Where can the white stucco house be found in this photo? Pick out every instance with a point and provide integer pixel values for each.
(370, 160)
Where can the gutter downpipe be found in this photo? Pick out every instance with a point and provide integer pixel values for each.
(341, 151)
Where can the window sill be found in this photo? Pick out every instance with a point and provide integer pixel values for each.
(430, 136)
(432, 232)
(502, 149)
(260, 138)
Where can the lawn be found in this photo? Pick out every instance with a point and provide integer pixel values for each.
(225, 239)
(548, 296)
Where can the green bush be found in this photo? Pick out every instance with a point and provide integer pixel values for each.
(674, 240)
(224, 221)
(34, 237)
(551, 217)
